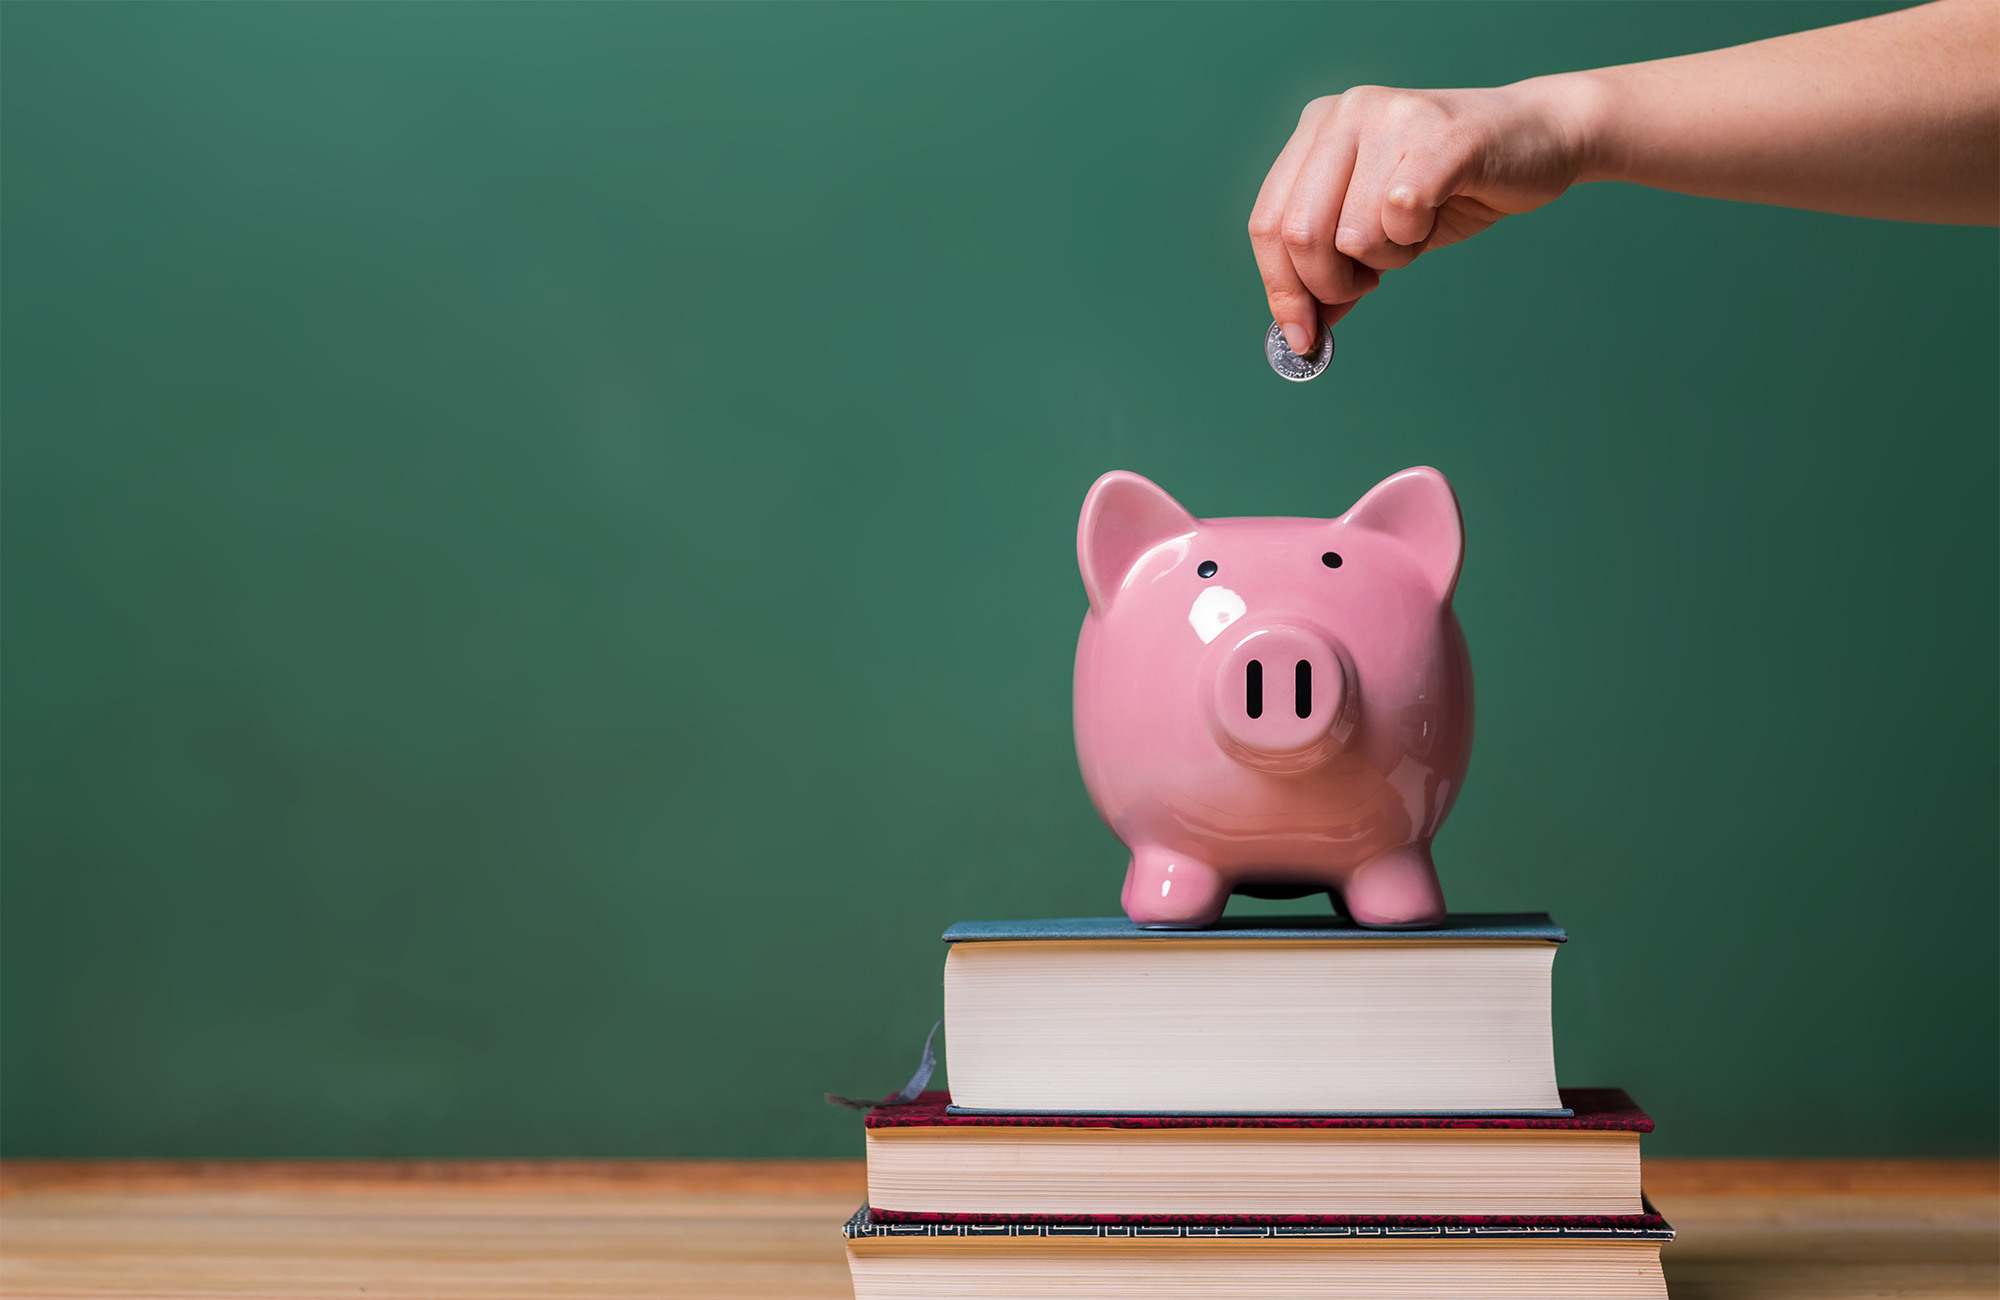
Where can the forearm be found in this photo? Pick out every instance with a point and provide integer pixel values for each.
(1896, 116)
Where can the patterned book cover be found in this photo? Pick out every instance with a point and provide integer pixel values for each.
(1637, 1227)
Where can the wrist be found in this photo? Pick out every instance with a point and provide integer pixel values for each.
(1577, 107)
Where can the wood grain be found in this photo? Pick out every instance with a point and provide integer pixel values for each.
(140, 1230)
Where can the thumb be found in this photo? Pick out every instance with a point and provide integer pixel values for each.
(1419, 186)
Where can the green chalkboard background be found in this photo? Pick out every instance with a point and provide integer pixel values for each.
(539, 573)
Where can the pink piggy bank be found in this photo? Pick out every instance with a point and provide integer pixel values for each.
(1274, 707)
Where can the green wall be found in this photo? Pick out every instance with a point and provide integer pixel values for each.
(539, 575)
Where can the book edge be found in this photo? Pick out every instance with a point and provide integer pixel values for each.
(972, 1112)
(1516, 927)
(1603, 1110)
(863, 1225)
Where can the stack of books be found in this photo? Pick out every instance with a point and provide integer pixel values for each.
(1283, 1107)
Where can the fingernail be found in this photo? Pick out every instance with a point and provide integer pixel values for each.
(1298, 340)
(1404, 197)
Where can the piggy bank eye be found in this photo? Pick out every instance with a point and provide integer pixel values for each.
(1331, 560)
(1206, 568)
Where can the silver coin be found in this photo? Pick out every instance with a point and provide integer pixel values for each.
(1290, 364)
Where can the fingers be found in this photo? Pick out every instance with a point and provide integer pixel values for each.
(1411, 195)
(1369, 181)
(1362, 234)
(1411, 161)
(1316, 229)
(1409, 211)
(1293, 306)
(1311, 217)
(1374, 178)
(1461, 217)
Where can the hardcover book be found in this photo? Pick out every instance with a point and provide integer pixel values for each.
(927, 1164)
(1256, 1016)
(1379, 1261)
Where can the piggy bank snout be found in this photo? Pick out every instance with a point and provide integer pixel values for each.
(1278, 697)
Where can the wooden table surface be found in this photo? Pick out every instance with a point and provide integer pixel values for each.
(1828, 1230)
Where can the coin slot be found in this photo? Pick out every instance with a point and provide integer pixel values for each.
(1302, 689)
(1253, 688)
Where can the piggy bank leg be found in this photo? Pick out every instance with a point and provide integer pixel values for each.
(1396, 891)
(1171, 891)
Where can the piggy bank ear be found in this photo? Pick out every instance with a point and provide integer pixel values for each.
(1123, 517)
(1418, 508)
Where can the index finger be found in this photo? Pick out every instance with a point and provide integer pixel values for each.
(1293, 306)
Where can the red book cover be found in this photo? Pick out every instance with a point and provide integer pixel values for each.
(1595, 1108)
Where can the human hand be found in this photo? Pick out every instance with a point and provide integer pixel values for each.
(1895, 116)
(1374, 177)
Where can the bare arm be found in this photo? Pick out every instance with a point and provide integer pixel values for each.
(1896, 116)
